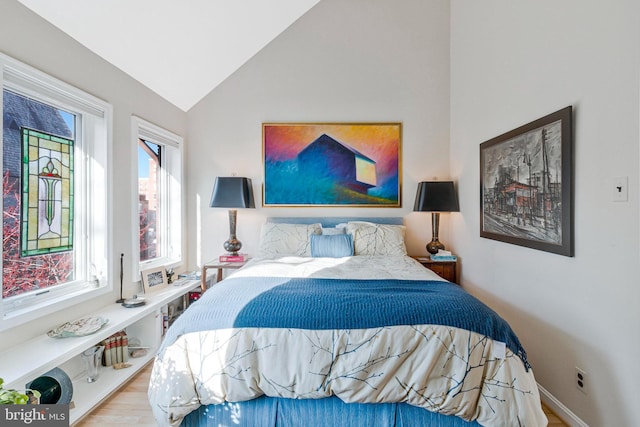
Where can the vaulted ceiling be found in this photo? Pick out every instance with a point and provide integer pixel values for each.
(180, 49)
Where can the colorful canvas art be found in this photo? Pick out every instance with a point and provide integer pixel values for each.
(334, 164)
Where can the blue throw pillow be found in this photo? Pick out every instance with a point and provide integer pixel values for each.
(333, 246)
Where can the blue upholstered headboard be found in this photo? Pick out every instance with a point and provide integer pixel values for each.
(333, 221)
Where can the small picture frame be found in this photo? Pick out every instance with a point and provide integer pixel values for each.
(154, 279)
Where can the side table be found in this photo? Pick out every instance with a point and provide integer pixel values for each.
(445, 269)
(220, 266)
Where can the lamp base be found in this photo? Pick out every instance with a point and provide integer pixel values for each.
(232, 246)
(433, 246)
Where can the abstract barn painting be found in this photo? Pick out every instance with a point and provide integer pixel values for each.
(526, 185)
(332, 164)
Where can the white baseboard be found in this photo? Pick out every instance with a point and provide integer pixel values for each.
(561, 411)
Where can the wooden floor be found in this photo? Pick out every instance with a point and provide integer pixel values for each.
(130, 407)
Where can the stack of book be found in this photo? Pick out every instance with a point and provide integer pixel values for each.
(190, 275)
(116, 349)
(443, 256)
(233, 258)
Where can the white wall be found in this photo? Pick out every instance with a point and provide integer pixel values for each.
(511, 63)
(30, 39)
(355, 61)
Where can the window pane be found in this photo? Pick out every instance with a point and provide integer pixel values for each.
(29, 261)
(149, 199)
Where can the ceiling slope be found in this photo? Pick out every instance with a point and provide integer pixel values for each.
(179, 49)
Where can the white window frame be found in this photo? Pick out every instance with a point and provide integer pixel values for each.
(171, 204)
(93, 222)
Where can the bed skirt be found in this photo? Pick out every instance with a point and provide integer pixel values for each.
(281, 412)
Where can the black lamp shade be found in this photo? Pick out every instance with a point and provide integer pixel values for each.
(232, 192)
(436, 196)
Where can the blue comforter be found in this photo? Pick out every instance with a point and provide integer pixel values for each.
(314, 303)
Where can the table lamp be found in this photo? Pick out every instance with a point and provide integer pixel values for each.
(436, 197)
(232, 192)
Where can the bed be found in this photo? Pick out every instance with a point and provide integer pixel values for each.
(334, 325)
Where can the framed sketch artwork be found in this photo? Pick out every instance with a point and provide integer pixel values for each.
(332, 164)
(526, 188)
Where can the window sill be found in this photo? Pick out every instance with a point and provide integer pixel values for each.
(33, 310)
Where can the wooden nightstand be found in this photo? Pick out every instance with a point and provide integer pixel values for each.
(445, 269)
(220, 266)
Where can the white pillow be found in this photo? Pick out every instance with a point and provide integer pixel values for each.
(377, 239)
(278, 240)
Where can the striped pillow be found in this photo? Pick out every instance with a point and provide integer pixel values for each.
(332, 246)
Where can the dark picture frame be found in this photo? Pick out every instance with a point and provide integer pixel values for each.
(526, 185)
(332, 164)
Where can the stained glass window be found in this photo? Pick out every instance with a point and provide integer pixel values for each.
(55, 203)
(47, 193)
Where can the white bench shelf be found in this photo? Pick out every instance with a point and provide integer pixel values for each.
(29, 360)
